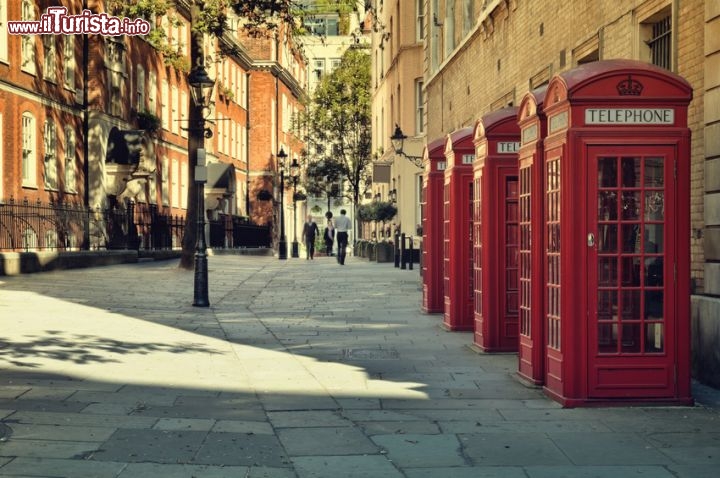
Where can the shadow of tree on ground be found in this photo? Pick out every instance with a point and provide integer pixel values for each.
(84, 349)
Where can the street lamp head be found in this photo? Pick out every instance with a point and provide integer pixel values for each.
(201, 86)
(282, 154)
(397, 139)
(294, 168)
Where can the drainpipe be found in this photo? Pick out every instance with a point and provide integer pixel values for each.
(86, 132)
(247, 144)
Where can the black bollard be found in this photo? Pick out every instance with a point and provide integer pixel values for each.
(402, 251)
(411, 254)
(397, 250)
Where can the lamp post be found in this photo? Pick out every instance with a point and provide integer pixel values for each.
(295, 176)
(282, 242)
(201, 86)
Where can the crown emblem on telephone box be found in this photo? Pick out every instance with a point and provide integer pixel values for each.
(630, 87)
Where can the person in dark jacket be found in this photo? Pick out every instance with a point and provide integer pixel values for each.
(329, 237)
(310, 230)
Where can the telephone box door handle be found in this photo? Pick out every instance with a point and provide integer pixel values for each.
(591, 239)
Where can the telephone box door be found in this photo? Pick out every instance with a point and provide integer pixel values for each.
(631, 259)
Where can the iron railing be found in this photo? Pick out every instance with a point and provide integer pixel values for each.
(35, 226)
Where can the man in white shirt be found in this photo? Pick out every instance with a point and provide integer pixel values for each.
(342, 226)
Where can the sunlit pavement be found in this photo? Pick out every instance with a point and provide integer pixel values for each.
(298, 369)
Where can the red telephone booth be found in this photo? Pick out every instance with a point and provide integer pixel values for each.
(457, 231)
(616, 219)
(533, 128)
(432, 205)
(495, 231)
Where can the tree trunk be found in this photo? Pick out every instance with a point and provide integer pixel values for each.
(197, 58)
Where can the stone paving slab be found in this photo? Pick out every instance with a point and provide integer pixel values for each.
(373, 466)
(296, 370)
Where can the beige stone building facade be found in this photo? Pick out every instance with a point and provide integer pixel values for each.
(482, 55)
(398, 83)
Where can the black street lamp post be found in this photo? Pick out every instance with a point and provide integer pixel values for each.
(201, 86)
(282, 242)
(295, 176)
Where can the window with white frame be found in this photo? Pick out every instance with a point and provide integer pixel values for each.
(165, 104)
(152, 93)
(184, 186)
(419, 107)
(49, 58)
(28, 41)
(165, 182)
(220, 128)
(115, 65)
(29, 161)
(420, 21)
(51, 169)
(3, 31)
(174, 101)
(183, 114)
(318, 68)
(174, 184)
(140, 88)
(69, 62)
(70, 161)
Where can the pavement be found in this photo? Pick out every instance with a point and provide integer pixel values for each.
(298, 369)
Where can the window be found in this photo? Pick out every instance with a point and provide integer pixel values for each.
(50, 137)
(28, 41)
(165, 104)
(165, 189)
(49, 58)
(29, 171)
(420, 22)
(3, 31)
(660, 42)
(183, 114)
(449, 26)
(115, 65)
(175, 183)
(318, 69)
(175, 124)
(468, 16)
(435, 37)
(419, 107)
(70, 162)
(334, 63)
(322, 26)
(140, 87)
(69, 62)
(152, 93)
(184, 187)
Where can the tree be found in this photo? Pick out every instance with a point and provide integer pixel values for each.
(337, 122)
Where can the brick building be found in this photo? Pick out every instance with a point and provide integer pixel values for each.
(115, 123)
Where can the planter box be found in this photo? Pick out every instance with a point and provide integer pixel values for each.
(385, 252)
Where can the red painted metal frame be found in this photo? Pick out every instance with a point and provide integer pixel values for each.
(533, 129)
(571, 143)
(432, 226)
(495, 171)
(457, 239)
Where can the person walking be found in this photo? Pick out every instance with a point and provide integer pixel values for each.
(342, 226)
(310, 230)
(329, 237)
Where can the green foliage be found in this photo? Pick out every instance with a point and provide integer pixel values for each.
(377, 211)
(338, 118)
